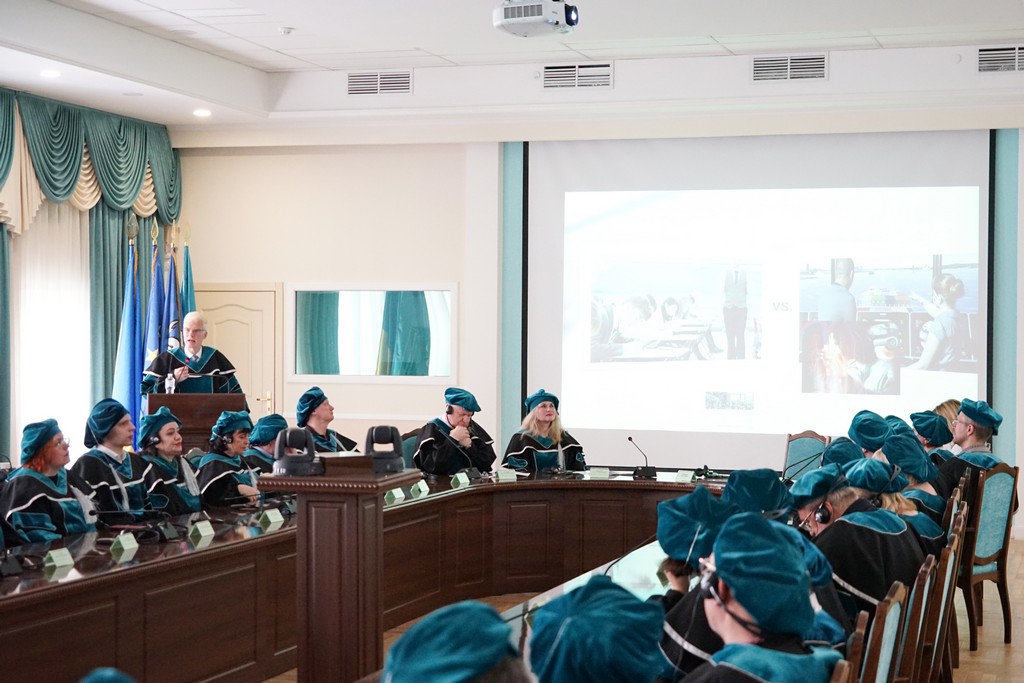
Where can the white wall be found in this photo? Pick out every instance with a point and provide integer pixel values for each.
(360, 214)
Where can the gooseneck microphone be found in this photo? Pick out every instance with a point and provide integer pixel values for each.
(645, 471)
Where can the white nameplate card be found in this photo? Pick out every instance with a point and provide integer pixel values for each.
(53, 572)
(459, 480)
(599, 472)
(394, 496)
(59, 557)
(420, 489)
(123, 548)
(201, 534)
(504, 475)
(271, 519)
(684, 476)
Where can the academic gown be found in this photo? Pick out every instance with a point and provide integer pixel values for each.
(172, 485)
(953, 469)
(211, 373)
(438, 453)
(869, 548)
(930, 504)
(119, 488)
(40, 508)
(533, 452)
(933, 538)
(687, 640)
(219, 477)
(331, 442)
(259, 460)
(781, 659)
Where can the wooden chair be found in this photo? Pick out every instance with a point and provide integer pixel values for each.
(908, 659)
(986, 545)
(940, 604)
(885, 637)
(803, 452)
(952, 506)
(855, 645)
(841, 672)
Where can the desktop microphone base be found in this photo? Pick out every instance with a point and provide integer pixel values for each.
(645, 473)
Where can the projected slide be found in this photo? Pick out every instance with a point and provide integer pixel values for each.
(733, 307)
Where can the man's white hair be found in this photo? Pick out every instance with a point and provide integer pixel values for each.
(194, 315)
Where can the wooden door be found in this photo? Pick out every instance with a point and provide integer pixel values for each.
(244, 323)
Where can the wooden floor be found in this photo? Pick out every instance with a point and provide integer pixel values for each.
(994, 661)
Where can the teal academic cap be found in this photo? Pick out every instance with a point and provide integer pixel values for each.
(759, 491)
(34, 436)
(841, 451)
(908, 453)
(231, 420)
(875, 476)
(152, 424)
(598, 632)
(815, 484)
(308, 402)
(266, 429)
(869, 430)
(932, 426)
(688, 525)
(540, 396)
(819, 569)
(107, 674)
(456, 643)
(462, 398)
(898, 425)
(982, 413)
(765, 569)
(102, 419)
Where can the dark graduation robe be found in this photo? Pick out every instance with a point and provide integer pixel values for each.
(331, 442)
(778, 658)
(172, 485)
(869, 548)
(954, 468)
(687, 640)
(533, 452)
(41, 508)
(933, 538)
(212, 373)
(930, 504)
(119, 488)
(259, 460)
(438, 453)
(219, 477)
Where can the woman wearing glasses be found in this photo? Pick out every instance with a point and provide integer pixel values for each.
(41, 500)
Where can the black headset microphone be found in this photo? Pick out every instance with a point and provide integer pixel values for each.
(644, 471)
(708, 589)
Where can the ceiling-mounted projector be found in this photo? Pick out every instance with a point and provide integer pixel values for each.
(528, 18)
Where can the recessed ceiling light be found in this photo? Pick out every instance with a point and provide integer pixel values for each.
(49, 73)
(202, 113)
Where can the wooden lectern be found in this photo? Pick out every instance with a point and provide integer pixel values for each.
(339, 567)
(197, 412)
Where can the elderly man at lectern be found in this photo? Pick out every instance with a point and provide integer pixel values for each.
(192, 368)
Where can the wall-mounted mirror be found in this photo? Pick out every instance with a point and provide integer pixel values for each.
(373, 331)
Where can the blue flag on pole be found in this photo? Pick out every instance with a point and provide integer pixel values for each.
(128, 364)
(156, 337)
(188, 286)
(172, 306)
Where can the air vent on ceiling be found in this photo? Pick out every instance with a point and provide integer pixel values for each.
(578, 76)
(523, 11)
(378, 82)
(789, 68)
(1001, 59)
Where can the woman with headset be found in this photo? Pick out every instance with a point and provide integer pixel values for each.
(170, 480)
(224, 478)
(541, 443)
(42, 500)
(113, 473)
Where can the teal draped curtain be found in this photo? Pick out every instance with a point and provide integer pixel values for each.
(118, 149)
(108, 261)
(405, 335)
(6, 134)
(166, 167)
(316, 325)
(56, 142)
(5, 343)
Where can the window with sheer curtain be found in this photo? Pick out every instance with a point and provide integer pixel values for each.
(50, 323)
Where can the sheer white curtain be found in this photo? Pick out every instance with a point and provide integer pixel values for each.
(50, 323)
(439, 311)
(360, 314)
